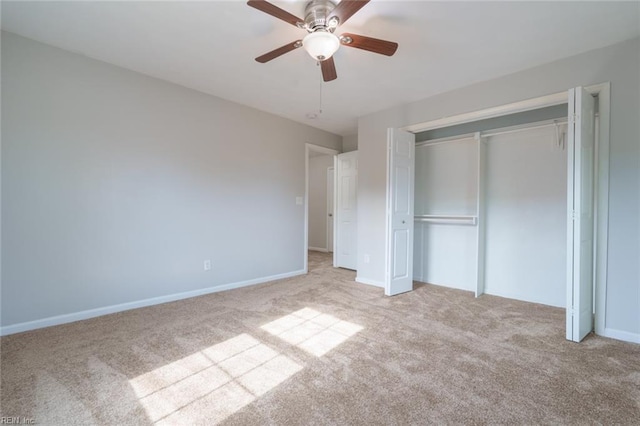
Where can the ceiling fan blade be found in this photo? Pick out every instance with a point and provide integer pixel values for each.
(371, 44)
(273, 10)
(346, 8)
(328, 69)
(279, 51)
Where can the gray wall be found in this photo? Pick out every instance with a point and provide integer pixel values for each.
(350, 143)
(318, 200)
(117, 186)
(619, 64)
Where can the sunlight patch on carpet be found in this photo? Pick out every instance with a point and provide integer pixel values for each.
(312, 331)
(214, 383)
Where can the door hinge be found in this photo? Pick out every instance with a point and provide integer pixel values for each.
(573, 118)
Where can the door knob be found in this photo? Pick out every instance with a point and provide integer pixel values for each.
(403, 222)
(330, 214)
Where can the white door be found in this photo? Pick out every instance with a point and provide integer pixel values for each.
(346, 211)
(400, 187)
(581, 147)
(330, 213)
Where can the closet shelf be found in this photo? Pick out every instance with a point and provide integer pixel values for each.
(447, 219)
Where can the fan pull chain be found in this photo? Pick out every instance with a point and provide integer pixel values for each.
(320, 106)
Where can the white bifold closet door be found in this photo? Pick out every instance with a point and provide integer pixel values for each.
(581, 148)
(525, 216)
(400, 212)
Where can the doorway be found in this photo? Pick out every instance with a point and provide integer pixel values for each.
(319, 200)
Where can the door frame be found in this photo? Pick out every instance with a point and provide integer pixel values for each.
(307, 150)
(601, 186)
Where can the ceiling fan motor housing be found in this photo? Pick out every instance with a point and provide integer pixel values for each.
(316, 13)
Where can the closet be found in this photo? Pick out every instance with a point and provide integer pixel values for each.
(491, 206)
(513, 205)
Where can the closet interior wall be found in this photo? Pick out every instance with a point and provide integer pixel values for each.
(525, 184)
(445, 241)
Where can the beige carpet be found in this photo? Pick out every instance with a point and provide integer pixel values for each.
(321, 349)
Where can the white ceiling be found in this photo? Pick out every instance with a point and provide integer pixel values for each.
(210, 46)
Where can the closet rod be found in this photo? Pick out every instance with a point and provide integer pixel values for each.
(458, 138)
(447, 219)
(488, 133)
(522, 128)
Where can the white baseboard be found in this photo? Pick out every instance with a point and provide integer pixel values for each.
(522, 298)
(323, 250)
(621, 335)
(370, 282)
(92, 313)
(424, 281)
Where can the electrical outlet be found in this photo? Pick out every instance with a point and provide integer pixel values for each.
(367, 259)
(207, 265)
(299, 201)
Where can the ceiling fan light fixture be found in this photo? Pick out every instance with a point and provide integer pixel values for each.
(321, 45)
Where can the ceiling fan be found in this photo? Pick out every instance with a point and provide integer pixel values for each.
(322, 18)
